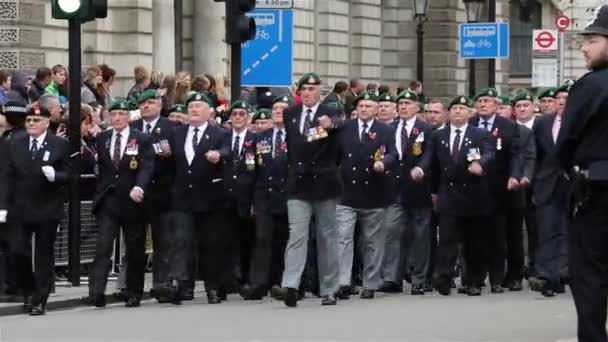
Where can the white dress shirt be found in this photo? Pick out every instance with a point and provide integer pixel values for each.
(409, 125)
(304, 113)
(528, 124)
(490, 122)
(39, 141)
(453, 129)
(241, 139)
(369, 125)
(124, 135)
(152, 124)
(188, 148)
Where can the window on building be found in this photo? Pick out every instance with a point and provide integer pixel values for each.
(524, 19)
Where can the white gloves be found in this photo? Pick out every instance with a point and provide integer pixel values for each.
(3, 214)
(49, 173)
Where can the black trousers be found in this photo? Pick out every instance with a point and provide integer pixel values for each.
(470, 232)
(532, 233)
(515, 245)
(434, 226)
(204, 232)
(8, 271)
(135, 239)
(160, 223)
(271, 233)
(589, 271)
(496, 231)
(38, 281)
(551, 254)
(240, 237)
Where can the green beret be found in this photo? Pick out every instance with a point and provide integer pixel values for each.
(310, 78)
(120, 103)
(407, 95)
(239, 104)
(487, 92)
(522, 96)
(386, 97)
(284, 99)
(564, 87)
(179, 108)
(505, 100)
(461, 100)
(148, 94)
(198, 97)
(550, 92)
(366, 95)
(262, 114)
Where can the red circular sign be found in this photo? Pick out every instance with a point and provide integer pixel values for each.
(544, 39)
(562, 22)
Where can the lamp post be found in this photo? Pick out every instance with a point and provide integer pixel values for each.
(420, 11)
(473, 9)
(492, 62)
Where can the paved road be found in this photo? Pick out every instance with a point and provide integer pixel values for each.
(517, 317)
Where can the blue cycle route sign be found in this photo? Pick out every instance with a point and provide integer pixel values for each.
(267, 60)
(484, 40)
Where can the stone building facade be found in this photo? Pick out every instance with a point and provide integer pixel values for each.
(371, 39)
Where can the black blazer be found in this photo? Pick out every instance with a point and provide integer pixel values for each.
(415, 194)
(24, 190)
(527, 149)
(504, 137)
(162, 178)
(270, 193)
(199, 187)
(548, 177)
(363, 187)
(116, 184)
(313, 166)
(460, 193)
(239, 174)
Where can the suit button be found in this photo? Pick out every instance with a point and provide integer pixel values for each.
(366, 182)
(270, 178)
(189, 172)
(314, 176)
(451, 184)
(234, 177)
(282, 179)
(445, 169)
(313, 163)
(398, 176)
(354, 182)
(464, 185)
(299, 163)
(116, 176)
(230, 190)
(269, 189)
(190, 186)
(354, 168)
(349, 155)
(367, 170)
(153, 182)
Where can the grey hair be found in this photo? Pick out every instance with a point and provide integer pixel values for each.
(46, 101)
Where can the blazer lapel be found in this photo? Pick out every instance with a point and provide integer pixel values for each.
(465, 145)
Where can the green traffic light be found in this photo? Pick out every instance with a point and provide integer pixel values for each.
(69, 6)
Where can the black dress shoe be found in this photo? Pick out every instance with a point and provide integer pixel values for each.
(38, 310)
(390, 287)
(428, 287)
(474, 291)
(223, 294)
(187, 294)
(367, 294)
(163, 294)
(536, 284)
(177, 294)
(213, 297)
(290, 297)
(252, 293)
(516, 286)
(417, 290)
(27, 304)
(343, 293)
(276, 293)
(329, 300)
(96, 300)
(442, 285)
(559, 288)
(133, 302)
(497, 289)
(547, 292)
(463, 289)
(355, 290)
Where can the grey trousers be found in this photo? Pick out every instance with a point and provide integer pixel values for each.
(417, 222)
(300, 213)
(372, 240)
(394, 251)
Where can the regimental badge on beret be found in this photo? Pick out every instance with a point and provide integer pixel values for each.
(366, 96)
(285, 99)
(263, 116)
(311, 80)
(407, 95)
(491, 92)
(463, 100)
(387, 98)
(198, 97)
(243, 105)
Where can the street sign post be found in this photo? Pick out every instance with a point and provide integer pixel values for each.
(484, 40)
(267, 59)
(544, 58)
(562, 23)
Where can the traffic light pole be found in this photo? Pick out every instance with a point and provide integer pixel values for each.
(235, 71)
(75, 61)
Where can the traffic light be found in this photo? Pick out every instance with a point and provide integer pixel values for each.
(80, 10)
(239, 27)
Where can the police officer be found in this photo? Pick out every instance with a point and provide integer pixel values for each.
(581, 142)
(461, 152)
(126, 167)
(313, 186)
(199, 203)
(546, 101)
(32, 179)
(367, 152)
(157, 204)
(270, 206)
(502, 176)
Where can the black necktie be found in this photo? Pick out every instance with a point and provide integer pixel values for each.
(456, 146)
(34, 149)
(148, 129)
(307, 121)
(363, 131)
(235, 148)
(117, 148)
(278, 142)
(195, 139)
(404, 138)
